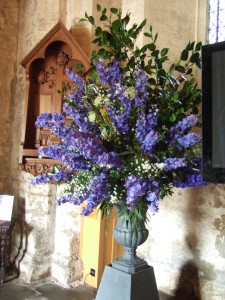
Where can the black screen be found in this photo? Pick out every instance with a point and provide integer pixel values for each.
(213, 103)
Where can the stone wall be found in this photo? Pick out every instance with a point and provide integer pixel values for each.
(8, 50)
(187, 237)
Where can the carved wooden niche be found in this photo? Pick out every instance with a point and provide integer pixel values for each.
(45, 69)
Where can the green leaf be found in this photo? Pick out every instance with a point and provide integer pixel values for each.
(198, 64)
(95, 41)
(148, 34)
(103, 18)
(143, 23)
(98, 31)
(190, 46)
(155, 53)
(91, 20)
(195, 57)
(198, 46)
(56, 168)
(173, 118)
(161, 73)
(116, 174)
(156, 36)
(151, 47)
(184, 55)
(103, 52)
(114, 10)
(180, 69)
(181, 110)
(164, 51)
(161, 137)
(116, 24)
(83, 19)
(189, 71)
(99, 8)
(125, 20)
(152, 81)
(126, 152)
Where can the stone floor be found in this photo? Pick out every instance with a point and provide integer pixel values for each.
(51, 291)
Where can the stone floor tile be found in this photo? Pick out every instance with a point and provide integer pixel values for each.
(52, 291)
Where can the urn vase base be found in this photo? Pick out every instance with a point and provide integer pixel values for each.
(119, 285)
(130, 266)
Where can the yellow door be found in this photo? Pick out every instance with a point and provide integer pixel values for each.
(97, 246)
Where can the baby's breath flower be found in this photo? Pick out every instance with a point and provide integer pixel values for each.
(104, 133)
(91, 116)
(98, 101)
(130, 92)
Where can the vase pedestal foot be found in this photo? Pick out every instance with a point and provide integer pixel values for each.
(130, 267)
(116, 284)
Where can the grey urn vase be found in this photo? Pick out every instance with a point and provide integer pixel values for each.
(130, 235)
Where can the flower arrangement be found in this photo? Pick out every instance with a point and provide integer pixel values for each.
(130, 139)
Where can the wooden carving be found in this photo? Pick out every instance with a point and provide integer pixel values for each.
(45, 69)
(37, 166)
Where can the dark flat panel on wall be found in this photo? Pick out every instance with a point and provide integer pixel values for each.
(213, 102)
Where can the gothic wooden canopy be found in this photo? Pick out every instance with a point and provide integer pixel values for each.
(45, 67)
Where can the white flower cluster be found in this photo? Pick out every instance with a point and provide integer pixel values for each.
(104, 134)
(160, 166)
(143, 167)
(91, 116)
(130, 92)
(116, 196)
(98, 101)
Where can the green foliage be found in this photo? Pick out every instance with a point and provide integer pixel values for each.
(173, 88)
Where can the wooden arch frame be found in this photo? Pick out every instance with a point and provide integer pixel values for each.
(44, 66)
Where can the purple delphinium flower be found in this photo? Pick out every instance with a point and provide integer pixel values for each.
(56, 123)
(79, 82)
(145, 132)
(97, 190)
(79, 115)
(153, 196)
(108, 74)
(71, 159)
(190, 180)
(145, 123)
(119, 117)
(72, 198)
(112, 159)
(62, 175)
(193, 177)
(76, 107)
(182, 126)
(88, 145)
(50, 120)
(141, 88)
(149, 142)
(188, 140)
(135, 187)
(44, 178)
(173, 163)
(176, 135)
